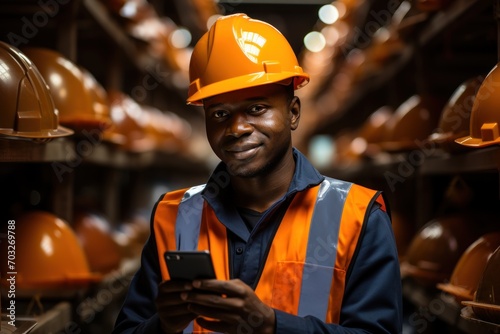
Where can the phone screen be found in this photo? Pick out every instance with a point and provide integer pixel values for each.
(189, 265)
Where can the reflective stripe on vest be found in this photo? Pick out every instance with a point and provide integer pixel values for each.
(188, 220)
(305, 270)
(323, 235)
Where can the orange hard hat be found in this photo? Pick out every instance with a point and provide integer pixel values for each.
(344, 155)
(131, 236)
(95, 235)
(437, 247)
(485, 119)
(129, 124)
(67, 87)
(467, 273)
(239, 52)
(373, 130)
(99, 99)
(169, 131)
(458, 194)
(486, 304)
(455, 117)
(412, 122)
(28, 110)
(385, 45)
(49, 257)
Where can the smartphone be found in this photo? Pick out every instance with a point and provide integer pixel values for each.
(189, 265)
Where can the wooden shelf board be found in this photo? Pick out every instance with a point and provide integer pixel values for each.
(477, 160)
(13, 150)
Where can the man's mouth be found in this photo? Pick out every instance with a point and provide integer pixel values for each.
(243, 152)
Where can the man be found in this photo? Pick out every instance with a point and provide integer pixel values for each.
(294, 252)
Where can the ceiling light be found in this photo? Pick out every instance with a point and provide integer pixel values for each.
(315, 41)
(328, 14)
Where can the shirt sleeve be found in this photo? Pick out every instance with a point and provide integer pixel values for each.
(138, 313)
(373, 294)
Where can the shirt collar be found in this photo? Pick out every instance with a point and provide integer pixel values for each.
(305, 175)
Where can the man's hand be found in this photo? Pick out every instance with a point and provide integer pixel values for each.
(231, 306)
(172, 310)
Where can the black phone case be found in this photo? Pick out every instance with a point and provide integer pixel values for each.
(189, 265)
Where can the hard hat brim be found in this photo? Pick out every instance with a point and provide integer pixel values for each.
(457, 291)
(486, 306)
(410, 270)
(245, 81)
(476, 142)
(61, 131)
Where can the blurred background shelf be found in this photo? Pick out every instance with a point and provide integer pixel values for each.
(99, 12)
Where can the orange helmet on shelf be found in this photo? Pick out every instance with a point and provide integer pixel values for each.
(344, 155)
(437, 247)
(170, 132)
(239, 52)
(67, 87)
(486, 304)
(131, 235)
(129, 124)
(469, 269)
(412, 122)
(49, 258)
(99, 98)
(28, 110)
(385, 45)
(484, 120)
(95, 235)
(455, 117)
(373, 130)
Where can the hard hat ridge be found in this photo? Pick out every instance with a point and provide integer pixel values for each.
(28, 110)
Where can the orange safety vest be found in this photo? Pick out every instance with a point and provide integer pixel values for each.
(306, 267)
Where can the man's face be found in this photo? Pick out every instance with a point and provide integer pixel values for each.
(250, 129)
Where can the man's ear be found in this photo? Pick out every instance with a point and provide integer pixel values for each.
(294, 108)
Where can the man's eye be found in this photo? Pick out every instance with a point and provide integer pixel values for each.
(219, 114)
(256, 109)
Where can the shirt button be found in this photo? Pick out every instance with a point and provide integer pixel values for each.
(239, 250)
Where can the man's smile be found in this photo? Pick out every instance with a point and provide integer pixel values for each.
(242, 152)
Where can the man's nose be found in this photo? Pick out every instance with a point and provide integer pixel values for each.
(239, 125)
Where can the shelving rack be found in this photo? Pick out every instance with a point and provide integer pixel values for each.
(52, 175)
